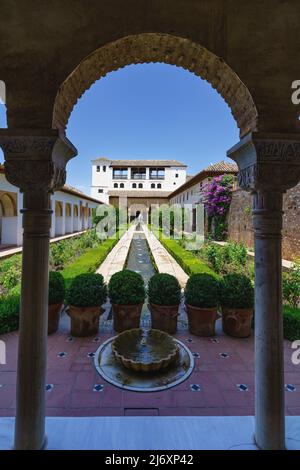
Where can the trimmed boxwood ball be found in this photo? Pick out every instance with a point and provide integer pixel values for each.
(87, 290)
(164, 289)
(126, 288)
(202, 291)
(56, 288)
(236, 291)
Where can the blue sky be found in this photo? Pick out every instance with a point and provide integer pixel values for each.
(148, 111)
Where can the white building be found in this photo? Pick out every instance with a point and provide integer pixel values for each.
(72, 212)
(190, 191)
(121, 176)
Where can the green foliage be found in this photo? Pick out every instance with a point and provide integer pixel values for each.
(291, 286)
(189, 262)
(56, 288)
(236, 291)
(10, 272)
(164, 289)
(87, 290)
(230, 258)
(291, 323)
(9, 311)
(126, 288)
(64, 252)
(89, 261)
(202, 290)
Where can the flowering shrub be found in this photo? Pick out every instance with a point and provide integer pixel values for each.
(216, 196)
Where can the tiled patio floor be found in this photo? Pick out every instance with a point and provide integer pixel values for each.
(71, 379)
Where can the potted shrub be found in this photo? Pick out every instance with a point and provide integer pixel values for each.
(237, 300)
(164, 295)
(85, 296)
(127, 293)
(55, 300)
(202, 298)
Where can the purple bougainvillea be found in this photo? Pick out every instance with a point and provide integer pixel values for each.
(216, 196)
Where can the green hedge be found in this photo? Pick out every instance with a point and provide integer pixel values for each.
(89, 261)
(190, 263)
(9, 311)
(291, 323)
(86, 263)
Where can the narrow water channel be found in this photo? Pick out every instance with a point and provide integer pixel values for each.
(139, 260)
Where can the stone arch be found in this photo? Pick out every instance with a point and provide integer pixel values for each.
(8, 205)
(68, 209)
(58, 209)
(155, 47)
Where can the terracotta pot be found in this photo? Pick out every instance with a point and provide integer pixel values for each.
(126, 317)
(237, 321)
(164, 317)
(84, 320)
(53, 317)
(201, 320)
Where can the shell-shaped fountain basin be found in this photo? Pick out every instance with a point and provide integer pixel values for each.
(145, 350)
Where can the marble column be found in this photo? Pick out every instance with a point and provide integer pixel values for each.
(269, 164)
(35, 162)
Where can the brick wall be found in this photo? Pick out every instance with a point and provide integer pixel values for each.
(240, 221)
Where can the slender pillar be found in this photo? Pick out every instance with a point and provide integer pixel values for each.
(269, 165)
(269, 364)
(35, 161)
(29, 426)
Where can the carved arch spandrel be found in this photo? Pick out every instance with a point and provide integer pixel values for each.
(154, 47)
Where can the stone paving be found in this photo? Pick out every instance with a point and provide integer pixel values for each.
(222, 383)
(164, 261)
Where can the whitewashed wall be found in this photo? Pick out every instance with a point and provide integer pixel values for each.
(11, 227)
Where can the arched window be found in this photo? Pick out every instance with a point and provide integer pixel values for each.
(116, 185)
(159, 186)
(121, 185)
(152, 185)
(140, 185)
(134, 185)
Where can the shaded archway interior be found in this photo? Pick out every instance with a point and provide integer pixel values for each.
(164, 48)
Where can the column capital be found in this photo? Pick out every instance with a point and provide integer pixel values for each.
(267, 161)
(35, 159)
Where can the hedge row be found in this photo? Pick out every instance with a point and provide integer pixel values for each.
(89, 261)
(86, 263)
(191, 264)
(187, 260)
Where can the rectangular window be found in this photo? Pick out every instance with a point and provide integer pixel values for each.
(98, 168)
(100, 190)
(120, 173)
(157, 173)
(104, 168)
(138, 173)
(176, 175)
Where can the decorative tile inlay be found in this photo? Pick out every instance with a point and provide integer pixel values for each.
(224, 355)
(91, 354)
(49, 387)
(70, 339)
(195, 354)
(195, 388)
(214, 340)
(242, 387)
(290, 388)
(98, 388)
(62, 354)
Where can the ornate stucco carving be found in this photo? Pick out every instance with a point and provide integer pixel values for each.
(267, 162)
(153, 47)
(37, 161)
